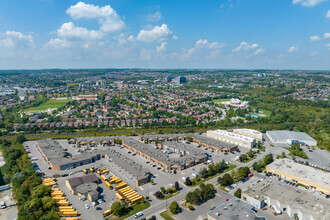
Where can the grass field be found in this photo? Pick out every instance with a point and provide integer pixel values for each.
(49, 104)
(265, 112)
(221, 100)
(166, 215)
(136, 208)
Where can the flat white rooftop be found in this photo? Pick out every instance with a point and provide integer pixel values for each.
(286, 135)
(249, 131)
(301, 171)
(233, 135)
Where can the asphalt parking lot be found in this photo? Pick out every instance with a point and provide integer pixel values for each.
(9, 213)
(201, 211)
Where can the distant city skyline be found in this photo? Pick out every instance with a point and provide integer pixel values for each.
(224, 34)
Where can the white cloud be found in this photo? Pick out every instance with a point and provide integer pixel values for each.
(328, 14)
(292, 49)
(245, 46)
(328, 45)
(314, 38)
(205, 44)
(106, 15)
(123, 39)
(161, 47)
(69, 30)
(156, 34)
(307, 3)
(202, 47)
(58, 43)
(16, 39)
(154, 17)
(259, 51)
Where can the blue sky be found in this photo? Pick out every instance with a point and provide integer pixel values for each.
(274, 34)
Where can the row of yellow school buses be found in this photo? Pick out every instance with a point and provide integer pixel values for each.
(129, 195)
(101, 171)
(61, 202)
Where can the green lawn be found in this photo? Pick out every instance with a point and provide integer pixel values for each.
(220, 100)
(52, 103)
(136, 208)
(167, 196)
(166, 215)
(195, 182)
(265, 112)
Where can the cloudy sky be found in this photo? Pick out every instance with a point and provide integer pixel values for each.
(275, 34)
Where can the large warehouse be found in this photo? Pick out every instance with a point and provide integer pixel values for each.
(298, 173)
(286, 137)
(232, 138)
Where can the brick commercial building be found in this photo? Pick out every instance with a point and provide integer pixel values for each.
(86, 185)
(151, 153)
(140, 174)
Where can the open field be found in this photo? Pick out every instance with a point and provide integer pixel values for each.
(221, 100)
(49, 104)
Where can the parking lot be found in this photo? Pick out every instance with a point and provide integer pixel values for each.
(92, 212)
(9, 213)
(161, 178)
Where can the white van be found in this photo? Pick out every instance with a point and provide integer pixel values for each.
(139, 214)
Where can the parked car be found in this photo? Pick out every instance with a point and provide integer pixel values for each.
(139, 214)
(87, 206)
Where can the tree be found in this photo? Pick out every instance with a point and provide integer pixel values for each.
(256, 167)
(174, 207)
(188, 181)
(176, 185)
(190, 139)
(243, 172)
(118, 209)
(152, 218)
(159, 194)
(250, 154)
(226, 180)
(268, 159)
(203, 172)
(152, 181)
(238, 193)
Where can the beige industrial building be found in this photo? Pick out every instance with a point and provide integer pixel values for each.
(315, 179)
(232, 138)
(288, 200)
(249, 133)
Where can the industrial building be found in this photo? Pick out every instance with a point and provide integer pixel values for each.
(286, 199)
(232, 138)
(216, 145)
(249, 133)
(141, 175)
(59, 159)
(86, 185)
(289, 137)
(234, 209)
(92, 141)
(315, 179)
(153, 154)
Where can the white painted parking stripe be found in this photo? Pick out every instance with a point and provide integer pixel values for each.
(141, 188)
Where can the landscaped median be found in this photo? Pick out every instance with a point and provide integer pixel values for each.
(132, 210)
(164, 194)
(167, 215)
(211, 172)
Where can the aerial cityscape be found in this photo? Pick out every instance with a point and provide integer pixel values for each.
(175, 110)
